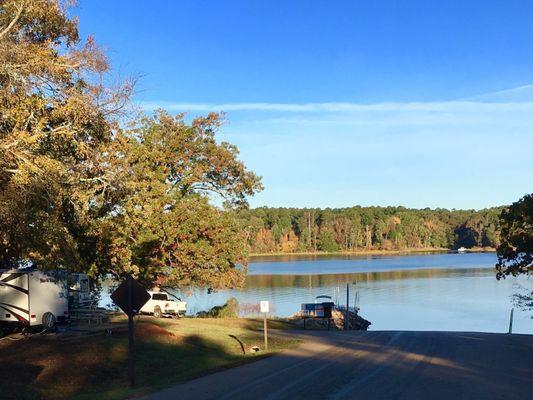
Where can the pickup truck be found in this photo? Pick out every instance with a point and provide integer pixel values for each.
(160, 304)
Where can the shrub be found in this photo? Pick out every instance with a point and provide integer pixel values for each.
(228, 310)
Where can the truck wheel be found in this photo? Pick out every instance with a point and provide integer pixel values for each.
(157, 312)
(49, 320)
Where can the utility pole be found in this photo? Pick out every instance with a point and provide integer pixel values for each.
(355, 297)
(347, 306)
(511, 321)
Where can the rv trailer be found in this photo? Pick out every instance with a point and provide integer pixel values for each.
(32, 297)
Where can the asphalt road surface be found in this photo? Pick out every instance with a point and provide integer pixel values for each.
(379, 365)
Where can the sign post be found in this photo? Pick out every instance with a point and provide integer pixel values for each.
(264, 306)
(131, 343)
(130, 296)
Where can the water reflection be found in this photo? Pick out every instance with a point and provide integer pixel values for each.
(305, 265)
(417, 292)
(456, 292)
(337, 256)
(256, 281)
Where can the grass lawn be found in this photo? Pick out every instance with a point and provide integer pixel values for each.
(167, 352)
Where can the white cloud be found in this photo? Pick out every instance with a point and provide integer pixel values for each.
(517, 98)
(333, 107)
(519, 94)
(441, 153)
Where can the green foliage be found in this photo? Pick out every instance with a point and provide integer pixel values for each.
(165, 228)
(326, 241)
(56, 122)
(80, 190)
(367, 228)
(228, 310)
(515, 253)
(524, 299)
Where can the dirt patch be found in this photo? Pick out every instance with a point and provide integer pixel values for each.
(148, 330)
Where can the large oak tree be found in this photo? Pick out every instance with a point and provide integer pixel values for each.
(81, 190)
(54, 125)
(165, 227)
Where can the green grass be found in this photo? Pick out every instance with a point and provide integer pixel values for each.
(167, 352)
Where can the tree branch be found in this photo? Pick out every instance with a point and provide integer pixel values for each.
(13, 21)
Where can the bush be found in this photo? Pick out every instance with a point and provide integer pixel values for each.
(228, 310)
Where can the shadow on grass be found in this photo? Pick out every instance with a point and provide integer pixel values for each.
(96, 367)
(15, 378)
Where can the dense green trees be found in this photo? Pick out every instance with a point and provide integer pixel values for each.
(367, 228)
(515, 254)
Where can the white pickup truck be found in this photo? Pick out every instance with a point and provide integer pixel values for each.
(161, 304)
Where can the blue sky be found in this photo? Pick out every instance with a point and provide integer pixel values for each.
(337, 103)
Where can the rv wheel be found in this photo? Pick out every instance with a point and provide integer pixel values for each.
(157, 312)
(49, 320)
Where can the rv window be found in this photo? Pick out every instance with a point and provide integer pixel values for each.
(84, 285)
(159, 296)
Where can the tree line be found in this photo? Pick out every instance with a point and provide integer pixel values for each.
(288, 230)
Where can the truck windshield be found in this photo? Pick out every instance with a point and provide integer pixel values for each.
(159, 296)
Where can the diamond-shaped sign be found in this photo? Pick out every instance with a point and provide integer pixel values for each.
(139, 296)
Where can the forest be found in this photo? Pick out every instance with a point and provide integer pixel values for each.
(353, 229)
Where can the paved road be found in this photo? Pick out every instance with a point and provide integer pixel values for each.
(379, 365)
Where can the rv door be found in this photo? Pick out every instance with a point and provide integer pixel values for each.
(14, 297)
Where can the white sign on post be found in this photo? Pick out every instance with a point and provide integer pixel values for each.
(264, 306)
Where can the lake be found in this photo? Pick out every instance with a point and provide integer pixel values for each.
(455, 292)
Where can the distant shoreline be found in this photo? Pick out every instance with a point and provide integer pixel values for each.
(373, 252)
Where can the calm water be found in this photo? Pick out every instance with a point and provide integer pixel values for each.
(412, 292)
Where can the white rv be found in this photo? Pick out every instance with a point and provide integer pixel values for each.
(29, 297)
